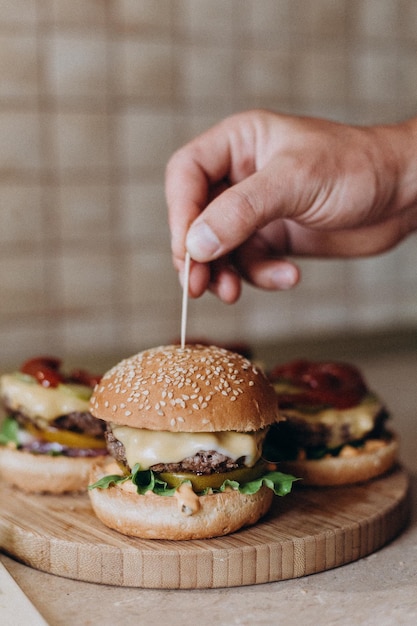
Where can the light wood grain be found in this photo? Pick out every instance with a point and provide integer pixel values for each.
(309, 531)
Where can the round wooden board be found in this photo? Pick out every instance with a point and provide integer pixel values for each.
(309, 531)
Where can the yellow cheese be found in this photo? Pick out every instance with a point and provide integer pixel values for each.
(149, 447)
(359, 419)
(23, 393)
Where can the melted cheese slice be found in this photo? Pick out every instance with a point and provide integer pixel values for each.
(149, 447)
(23, 393)
(358, 420)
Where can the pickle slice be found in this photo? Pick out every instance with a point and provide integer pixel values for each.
(214, 481)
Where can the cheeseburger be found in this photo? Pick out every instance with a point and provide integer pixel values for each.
(335, 429)
(48, 439)
(185, 427)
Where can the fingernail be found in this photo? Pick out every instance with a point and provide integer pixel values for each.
(284, 277)
(201, 242)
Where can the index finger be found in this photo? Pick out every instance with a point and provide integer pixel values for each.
(191, 174)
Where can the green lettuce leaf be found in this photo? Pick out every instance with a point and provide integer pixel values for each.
(147, 480)
(281, 484)
(107, 481)
(9, 431)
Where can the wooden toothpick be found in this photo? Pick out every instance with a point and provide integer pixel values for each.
(185, 298)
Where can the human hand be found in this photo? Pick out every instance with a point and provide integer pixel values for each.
(259, 187)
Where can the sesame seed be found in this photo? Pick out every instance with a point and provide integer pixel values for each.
(169, 377)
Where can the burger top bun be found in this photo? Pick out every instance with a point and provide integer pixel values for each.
(197, 388)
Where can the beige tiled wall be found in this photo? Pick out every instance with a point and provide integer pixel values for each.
(94, 97)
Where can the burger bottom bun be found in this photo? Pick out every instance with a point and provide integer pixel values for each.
(151, 516)
(334, 471)
(41, 473)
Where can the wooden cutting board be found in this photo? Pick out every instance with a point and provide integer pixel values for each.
(308, 531)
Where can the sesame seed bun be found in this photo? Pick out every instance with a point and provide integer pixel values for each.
(42, 473)
(197, 388)
(359, 467)
(151, 516)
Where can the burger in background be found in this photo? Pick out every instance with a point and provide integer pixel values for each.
(335, 428)
(186, 428)
(48, 439)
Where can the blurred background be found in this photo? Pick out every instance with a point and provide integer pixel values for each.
(95, 95)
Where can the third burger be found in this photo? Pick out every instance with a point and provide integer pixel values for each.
(335, 432)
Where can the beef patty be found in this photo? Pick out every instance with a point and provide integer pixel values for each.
(202, 463)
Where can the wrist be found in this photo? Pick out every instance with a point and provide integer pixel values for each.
(401, 140)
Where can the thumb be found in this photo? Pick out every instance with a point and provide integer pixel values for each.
(235, 215)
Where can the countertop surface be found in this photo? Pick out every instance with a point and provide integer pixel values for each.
(378, 589)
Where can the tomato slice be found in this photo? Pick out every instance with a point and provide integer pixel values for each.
(215, 480)
(66, 438)
(45, 369)
(334, 384)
